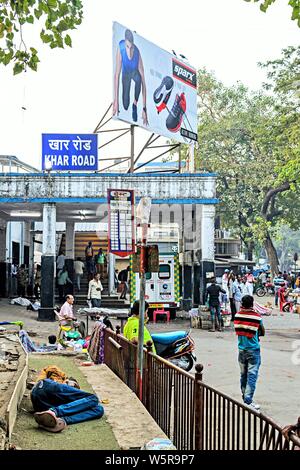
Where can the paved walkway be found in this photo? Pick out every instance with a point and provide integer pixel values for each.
(279, 377)
(278, 384)
(132, 425)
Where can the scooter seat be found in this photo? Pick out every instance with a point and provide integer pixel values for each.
(168, 338)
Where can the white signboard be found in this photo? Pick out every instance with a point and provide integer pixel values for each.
(121, 239)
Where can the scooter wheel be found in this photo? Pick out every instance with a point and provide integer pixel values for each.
(185, 362)
(260, 292)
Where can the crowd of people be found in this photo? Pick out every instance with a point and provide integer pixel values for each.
(95, 266)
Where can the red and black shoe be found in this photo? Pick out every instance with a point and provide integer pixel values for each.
(162, 93)
(175, 117)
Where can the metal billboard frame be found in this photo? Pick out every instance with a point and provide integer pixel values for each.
(102, 127)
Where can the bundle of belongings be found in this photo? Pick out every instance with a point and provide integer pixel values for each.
(30, 346)
(263, 310)
(26, 303)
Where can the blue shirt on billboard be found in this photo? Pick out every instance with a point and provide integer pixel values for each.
(129, 65)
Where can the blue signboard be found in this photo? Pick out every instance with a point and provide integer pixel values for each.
(65, 152)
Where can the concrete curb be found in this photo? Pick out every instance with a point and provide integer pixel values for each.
(131, 423)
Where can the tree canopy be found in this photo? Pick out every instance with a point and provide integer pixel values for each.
(55, 17)
(294, 4)
(251, 139)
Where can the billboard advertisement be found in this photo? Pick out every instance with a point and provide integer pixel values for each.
(152, 88)
(70, 152)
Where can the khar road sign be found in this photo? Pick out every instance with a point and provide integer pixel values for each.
(121, 238)
(70, 152)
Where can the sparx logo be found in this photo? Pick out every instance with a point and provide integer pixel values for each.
(184, 73)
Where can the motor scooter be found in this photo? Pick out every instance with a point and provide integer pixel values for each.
(266, 289)
(177, 347)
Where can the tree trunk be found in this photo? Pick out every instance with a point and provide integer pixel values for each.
(250, 249)
(272, 254)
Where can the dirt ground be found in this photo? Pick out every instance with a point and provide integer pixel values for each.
(278, 384)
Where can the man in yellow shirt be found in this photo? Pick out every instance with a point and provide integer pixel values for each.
(131, 328)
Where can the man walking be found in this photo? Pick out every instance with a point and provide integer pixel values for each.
(250, 281)
(248, 327)
(22, 280)
(14, 278)
(78, 268)
(89, 258)
(60, 262)
(278, 282)
(213, 291)
(63, 278)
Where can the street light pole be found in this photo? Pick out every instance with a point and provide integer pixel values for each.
(143, 254)
(143, 213)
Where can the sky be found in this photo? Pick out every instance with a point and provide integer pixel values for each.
(73, 87)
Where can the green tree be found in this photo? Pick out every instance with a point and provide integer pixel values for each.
(55, 17)
(243, 137)
(294, 4)
(287, 243)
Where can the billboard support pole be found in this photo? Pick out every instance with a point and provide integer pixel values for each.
(102, 119)
(131, 149)
(192, 158)
(179, 158)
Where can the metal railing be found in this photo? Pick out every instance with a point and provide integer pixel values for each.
(192, 414)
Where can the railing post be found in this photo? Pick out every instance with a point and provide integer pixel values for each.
(198, 407)
(147, 388)
(118, 331)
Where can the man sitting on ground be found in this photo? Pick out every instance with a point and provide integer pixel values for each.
(58, 401)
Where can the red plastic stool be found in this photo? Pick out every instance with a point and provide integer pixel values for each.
(161, 312)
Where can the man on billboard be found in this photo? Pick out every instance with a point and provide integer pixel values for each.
(129, 61)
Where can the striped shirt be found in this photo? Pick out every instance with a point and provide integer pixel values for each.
(247, 322)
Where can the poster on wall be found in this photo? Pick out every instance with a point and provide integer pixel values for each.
(121, 227)
(152, 88)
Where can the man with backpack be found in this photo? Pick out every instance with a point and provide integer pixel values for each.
(213, 295)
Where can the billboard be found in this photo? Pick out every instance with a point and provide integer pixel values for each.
(121, 226)
(152, 88)
(67, 152)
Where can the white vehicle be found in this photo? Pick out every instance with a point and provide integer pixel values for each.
(162, 288)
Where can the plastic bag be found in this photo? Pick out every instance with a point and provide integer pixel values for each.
(194, 312)
(159, 444)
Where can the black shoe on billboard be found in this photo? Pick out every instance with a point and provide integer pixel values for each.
(162, 93)
(175, 117)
